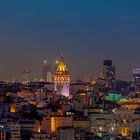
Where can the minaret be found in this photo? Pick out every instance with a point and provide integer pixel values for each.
(62, 78)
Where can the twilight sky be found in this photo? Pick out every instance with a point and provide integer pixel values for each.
(86, 31)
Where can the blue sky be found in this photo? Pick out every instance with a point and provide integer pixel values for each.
(86, 31)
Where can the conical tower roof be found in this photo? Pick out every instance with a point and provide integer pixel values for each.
(62, 66)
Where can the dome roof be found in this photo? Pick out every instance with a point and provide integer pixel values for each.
(61, 66)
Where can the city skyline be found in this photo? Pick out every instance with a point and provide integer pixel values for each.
(69, 70)
(86, 33)
(81, 76)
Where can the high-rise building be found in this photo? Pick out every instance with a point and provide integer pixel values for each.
(47, 72)
(109, 70)
(136, 75)
(25, 76)
(62, 78)
(136, 78)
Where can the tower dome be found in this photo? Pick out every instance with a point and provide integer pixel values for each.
(62, 66)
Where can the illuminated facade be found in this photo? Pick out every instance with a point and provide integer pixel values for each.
(114, 96)
(81, 122)
(12, 108)
(62, 79)
(57, 122)
(130, 103)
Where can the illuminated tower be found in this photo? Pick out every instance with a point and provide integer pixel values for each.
(62, 78)
(47, 74)
(25, 76)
